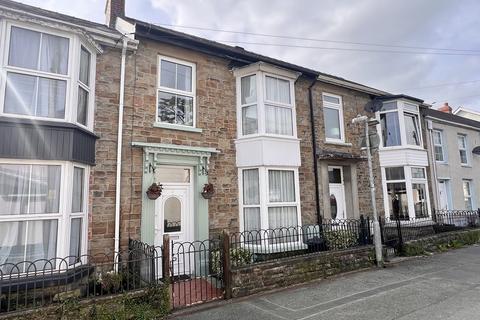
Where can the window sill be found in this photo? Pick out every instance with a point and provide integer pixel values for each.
(338, 143)
(465, 166)
(177, 127)
(442, 163)
(402, 148)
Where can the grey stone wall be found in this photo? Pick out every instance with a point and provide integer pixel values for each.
(289, 271)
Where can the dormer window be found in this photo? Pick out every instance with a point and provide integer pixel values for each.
(38, 78)
(266, 103)
(400, 125)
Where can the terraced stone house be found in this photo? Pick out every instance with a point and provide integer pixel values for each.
(132, 131)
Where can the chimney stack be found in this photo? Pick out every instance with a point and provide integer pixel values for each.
(114, 9)
(445, 108)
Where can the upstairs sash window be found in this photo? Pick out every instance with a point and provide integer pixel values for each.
(278, 106)
(36, 85)
(176, 92)
(333, 118)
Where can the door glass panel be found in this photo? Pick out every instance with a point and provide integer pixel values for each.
(333, 206)
(334, 175)
(171, 174)
(172, 215)
(397, 196)
(419, 200)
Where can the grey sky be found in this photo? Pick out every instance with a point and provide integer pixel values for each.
(428, 23)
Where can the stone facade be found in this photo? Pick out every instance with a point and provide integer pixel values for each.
(353, 104)
(289, 271)
(216, 116)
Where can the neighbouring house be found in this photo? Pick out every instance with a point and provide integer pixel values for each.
(48, 132)
(455, 159)
(467, 113)
(403, 158)
(344, 191)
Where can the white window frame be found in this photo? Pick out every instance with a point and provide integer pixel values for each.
(441, 145)
(261, 72)
(409, 181)
(469, 195)
(192, 94)
(401, 110)
(339, 108)
(264, 191)
(65, 214)
(290, 106)
(464, 136)
(256, 103)
(75, 43)
(90, 88)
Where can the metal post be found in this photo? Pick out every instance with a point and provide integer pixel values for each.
(226, 266)
(376, 226)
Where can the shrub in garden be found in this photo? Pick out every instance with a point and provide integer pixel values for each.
(239, 257)
(340, 239)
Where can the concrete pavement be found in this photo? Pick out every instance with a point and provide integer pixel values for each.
(443, 286)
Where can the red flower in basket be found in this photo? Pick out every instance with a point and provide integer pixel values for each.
(154, 191)
(208, 191)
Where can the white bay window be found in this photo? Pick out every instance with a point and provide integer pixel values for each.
(400, 124)
(39, 72)
(266, 104)
(270, 198)
(42, 214)
(406, 193)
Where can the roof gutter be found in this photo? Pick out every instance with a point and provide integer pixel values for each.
(119, 152)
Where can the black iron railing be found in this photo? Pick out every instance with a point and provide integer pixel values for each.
(254, 246)
(396, 232)
(32, 284)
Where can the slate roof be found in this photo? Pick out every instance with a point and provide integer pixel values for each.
(56, 15)
(451, 118)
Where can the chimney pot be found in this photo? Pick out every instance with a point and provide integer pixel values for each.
(114, 9)
(445, 108)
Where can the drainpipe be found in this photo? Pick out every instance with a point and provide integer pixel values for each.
(433, 164)
(314, 145)
(119, 153)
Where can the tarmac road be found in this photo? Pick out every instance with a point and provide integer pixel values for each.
(442, 286)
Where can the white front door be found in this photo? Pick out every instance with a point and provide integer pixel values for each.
(443, 194)
(174, 215)
(337, 193)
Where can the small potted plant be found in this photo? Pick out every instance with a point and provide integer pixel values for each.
(208, 191)
(154, 191)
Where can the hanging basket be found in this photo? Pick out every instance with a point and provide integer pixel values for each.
(154, 191)
(208, 191)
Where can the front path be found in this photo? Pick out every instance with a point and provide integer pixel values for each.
(443, 286)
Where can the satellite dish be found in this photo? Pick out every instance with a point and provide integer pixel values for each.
(374, 105)
(476, 150)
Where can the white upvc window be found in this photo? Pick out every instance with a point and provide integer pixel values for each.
(467, 194)
(269, 198)
(39, 73)
(266, 104)
(438, 146)
(400, 124)
(462, 148)
(176, 98)
(278, 106)
(333, 118)
(43, 214)
(406, 193)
